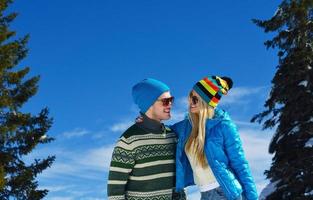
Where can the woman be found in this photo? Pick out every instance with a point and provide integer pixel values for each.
(209, 150)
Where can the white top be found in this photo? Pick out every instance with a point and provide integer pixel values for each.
(203, 177)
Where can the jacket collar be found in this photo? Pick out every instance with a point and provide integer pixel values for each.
(151, 125)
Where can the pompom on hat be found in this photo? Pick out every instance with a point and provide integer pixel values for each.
(147, 91)
(212, 88)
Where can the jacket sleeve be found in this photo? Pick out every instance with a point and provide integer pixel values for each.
(122, 163)
(238, 162)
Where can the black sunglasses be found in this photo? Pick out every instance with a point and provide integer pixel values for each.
(194, 99)
(167, 101)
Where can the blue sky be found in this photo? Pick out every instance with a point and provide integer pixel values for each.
(90, 53)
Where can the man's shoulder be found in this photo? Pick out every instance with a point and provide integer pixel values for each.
(132, 131)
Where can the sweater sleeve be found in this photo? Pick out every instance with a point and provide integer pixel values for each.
(122, 164)
(238, 162)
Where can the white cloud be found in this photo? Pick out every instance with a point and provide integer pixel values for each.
(100, 134)
(75, 195)
(255, 144)
(246, 124)
(75, 166)
(86, 164)
(237, 95)
(121, 126)
(93, 198)
(98, 159)
(78, 132)
(56, 188)
(61, 198)
(67, 169)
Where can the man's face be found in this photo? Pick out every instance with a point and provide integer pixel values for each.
(161, 109)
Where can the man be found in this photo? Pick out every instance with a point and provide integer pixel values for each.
(143, 160)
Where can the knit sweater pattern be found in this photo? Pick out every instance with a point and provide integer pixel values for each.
(143, 165)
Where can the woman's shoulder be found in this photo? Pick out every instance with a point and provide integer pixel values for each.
(221, 114)
(221, 121)
(181, 125)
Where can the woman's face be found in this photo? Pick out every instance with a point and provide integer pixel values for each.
(194, 102)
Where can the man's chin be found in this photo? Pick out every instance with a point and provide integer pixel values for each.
(166, 117)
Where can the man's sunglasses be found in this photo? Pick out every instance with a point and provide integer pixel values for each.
(167, 101)
(194, 99)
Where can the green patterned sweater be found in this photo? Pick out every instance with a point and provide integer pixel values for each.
(143, 165)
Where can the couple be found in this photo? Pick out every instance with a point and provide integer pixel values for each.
(152, 161)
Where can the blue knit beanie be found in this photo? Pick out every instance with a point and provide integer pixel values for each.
(147, 91)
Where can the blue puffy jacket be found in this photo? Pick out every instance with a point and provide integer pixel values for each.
(223, 150)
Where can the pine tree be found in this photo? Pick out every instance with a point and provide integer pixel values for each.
(289, 108)
(20, 132)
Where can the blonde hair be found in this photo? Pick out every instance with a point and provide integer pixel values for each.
(195, 143)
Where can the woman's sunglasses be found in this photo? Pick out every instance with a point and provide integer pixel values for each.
(194, 99)
(167, 101)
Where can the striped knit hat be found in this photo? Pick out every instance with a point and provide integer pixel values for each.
(211, 88)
